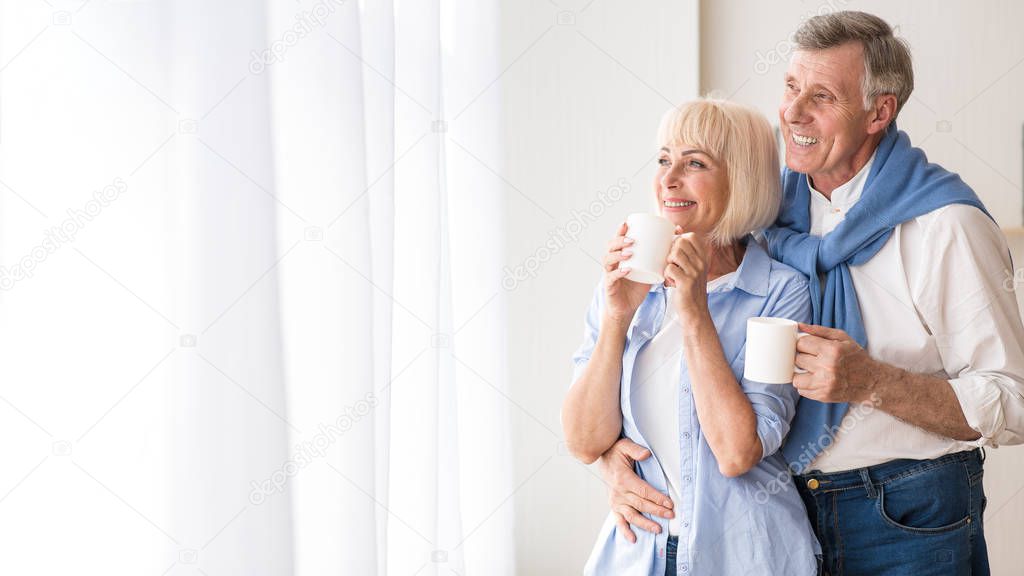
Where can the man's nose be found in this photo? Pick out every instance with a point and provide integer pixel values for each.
(795, 111)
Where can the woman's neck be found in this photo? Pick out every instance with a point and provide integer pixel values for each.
(724, 259)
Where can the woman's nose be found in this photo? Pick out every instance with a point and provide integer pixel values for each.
(670, 180)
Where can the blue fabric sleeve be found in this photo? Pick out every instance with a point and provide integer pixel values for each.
(591, 327)
(775, 404)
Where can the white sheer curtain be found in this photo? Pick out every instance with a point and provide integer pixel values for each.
(269, 336)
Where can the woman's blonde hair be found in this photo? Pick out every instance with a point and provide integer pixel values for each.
(741, 138)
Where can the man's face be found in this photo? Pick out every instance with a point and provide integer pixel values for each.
(822, 115)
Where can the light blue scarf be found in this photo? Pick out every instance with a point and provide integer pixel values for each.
(901, 186)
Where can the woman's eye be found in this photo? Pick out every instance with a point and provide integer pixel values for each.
(696, 164)
(663, 161)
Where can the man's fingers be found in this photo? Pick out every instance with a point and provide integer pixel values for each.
(627, 533)
(802, 382)
(811, 345)
(823, 332)
(647, 506)
(647, 492)
(806, 361)
(638, 520)
(632, 449)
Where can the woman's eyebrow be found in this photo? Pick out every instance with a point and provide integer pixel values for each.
(684, 152)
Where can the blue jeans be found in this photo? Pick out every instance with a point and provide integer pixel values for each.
(917, 517)
(670, 555)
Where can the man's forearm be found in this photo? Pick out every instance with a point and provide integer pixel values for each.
(925, 401)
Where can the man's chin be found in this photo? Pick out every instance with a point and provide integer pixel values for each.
(799, 164)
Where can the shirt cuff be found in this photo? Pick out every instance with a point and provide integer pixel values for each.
(981, 402)
(769, 431)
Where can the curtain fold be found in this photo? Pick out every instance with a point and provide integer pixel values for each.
(285, 338)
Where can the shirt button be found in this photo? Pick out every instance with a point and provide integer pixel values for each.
(813, 483)
(686, 390)
(686, 524)
(684, 568)
(686, 435)
(686, 478)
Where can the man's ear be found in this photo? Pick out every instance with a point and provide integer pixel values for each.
(883, 113)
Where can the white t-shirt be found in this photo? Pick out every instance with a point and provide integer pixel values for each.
(656, 394)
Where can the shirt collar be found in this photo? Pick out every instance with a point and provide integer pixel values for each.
(847, 194)
(751, 276)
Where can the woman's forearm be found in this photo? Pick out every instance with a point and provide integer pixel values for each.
(591, 417)
(725, 414)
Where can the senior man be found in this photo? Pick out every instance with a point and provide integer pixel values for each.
(915, 360)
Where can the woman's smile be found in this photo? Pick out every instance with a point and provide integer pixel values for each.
(677, 205)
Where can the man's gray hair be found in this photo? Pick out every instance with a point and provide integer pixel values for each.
(887, 65)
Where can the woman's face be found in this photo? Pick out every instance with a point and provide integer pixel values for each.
(692, 188)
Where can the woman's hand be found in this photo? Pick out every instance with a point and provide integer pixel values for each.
(686, 271)
(624, 296)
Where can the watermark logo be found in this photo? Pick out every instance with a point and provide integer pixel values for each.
(783, 481)
(565, 235)
(306, 23)
(308, 452)
(58, 236)
(781, 51)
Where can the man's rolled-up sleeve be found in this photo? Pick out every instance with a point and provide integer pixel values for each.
(965, 294)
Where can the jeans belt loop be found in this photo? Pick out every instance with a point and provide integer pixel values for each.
(868, 485)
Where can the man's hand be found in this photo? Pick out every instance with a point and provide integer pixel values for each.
(838, 369)
(628, 495)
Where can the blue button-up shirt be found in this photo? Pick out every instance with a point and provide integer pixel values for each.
(751, 524)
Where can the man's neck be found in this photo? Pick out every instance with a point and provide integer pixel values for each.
(827, 182)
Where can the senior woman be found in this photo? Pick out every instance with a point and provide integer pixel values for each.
(663, 364)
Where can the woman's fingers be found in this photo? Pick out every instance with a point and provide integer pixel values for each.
(612, 259)
(619, 249)
(619, 242)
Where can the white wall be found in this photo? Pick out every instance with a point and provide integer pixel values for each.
(965, 109)
(581, 109)
(579, 116)
(965, 112)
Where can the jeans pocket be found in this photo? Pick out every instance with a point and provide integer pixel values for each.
(931, 501)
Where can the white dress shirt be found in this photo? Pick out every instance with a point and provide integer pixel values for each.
(934, 301)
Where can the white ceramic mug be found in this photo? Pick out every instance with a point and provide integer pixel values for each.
(771, 350)
(652, 239)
